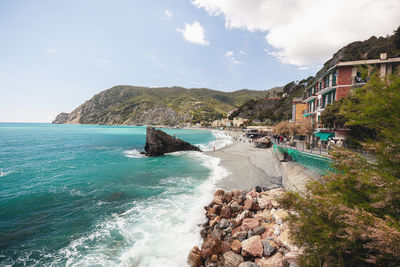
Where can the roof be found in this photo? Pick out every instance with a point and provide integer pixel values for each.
(369, 61)
(324, 136)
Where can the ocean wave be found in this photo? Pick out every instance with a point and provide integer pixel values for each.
(158, 231)
(133, 154)
(4, 173)
(221, 140)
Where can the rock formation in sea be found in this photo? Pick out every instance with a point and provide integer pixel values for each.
(246, 229)
(158, 143)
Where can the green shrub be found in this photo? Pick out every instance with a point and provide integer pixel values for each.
(352, 217)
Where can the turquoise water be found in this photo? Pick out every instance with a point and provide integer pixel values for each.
(82, 195)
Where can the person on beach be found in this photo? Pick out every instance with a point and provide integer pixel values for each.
(214, 149)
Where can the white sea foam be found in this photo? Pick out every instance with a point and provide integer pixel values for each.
(222, 140)
(133, 154)
(4, 173)
(159, 231)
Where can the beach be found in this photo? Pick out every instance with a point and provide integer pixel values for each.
(247, 165)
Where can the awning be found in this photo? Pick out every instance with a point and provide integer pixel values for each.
(324, 136)
(306, 115)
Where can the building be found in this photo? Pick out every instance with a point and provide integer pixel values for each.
(298, 109)
(239, 122)
(337, 82)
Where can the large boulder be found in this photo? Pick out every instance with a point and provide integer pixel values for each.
(252, 247)
(231, 259)
(210, 247)
(158, 143)
(194, 258)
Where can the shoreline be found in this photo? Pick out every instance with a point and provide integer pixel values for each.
(247, 166)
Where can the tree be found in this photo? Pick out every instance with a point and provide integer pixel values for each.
(396, 38)
(352, 217)
(307, 128)
(330, 117)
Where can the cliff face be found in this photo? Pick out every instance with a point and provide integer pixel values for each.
(158, 143)
(128, 105)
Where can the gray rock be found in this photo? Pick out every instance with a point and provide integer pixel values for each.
(248, 264)
(224, 223)
(158, 143)
(268, 249)
(240, 235)
(258, 230)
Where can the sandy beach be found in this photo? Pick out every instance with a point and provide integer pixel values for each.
(247, 165)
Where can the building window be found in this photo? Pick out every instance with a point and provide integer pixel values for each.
(326, 81)
(334, 78)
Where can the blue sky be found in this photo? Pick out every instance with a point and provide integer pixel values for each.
(56, 54)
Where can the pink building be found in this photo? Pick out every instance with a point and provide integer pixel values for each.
(338, 81)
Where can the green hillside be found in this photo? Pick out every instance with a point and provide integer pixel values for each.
(165, 105)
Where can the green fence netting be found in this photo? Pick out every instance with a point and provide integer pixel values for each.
(313, 162)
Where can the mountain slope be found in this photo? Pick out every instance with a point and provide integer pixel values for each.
(131, 105)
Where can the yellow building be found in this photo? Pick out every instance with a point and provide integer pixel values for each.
(298, 108)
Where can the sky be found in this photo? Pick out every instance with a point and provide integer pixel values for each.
(54, 55)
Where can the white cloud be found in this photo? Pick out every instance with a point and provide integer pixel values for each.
(194, 33)
(168, 14)
(51, 50)
(307, 31)
(104, 60)
(303, 68)
(230, 55)
(242, 52)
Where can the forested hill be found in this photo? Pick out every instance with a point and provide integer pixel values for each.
(132, 105)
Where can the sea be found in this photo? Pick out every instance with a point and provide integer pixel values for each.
(83, 195)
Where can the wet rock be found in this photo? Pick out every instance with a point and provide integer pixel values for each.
(268, 249)
(194, 258)
(231, 259)
(275, 261)
(236, 246)
(210, 247)
(158, 143)
(248, 264)
(252, 247)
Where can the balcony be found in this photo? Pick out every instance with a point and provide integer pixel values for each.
(326, 90)
(309, 98)
(358, 81)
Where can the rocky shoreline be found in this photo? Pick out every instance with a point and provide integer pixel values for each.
(246, 229)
